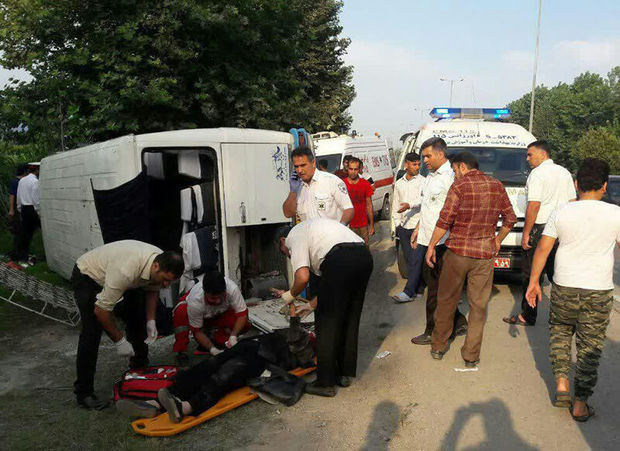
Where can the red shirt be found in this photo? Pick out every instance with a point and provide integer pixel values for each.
(358, 193)
(474, 204)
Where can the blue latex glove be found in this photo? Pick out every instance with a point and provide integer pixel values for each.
(295, 183)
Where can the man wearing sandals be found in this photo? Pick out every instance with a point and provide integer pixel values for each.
(582, 290)
(548, 186)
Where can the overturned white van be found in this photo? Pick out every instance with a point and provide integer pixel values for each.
(235, 181)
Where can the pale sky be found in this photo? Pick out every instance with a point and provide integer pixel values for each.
(401, 48)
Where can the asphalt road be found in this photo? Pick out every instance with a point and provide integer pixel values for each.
(409, 401)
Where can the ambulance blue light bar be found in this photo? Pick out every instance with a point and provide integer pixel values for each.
(470, 113)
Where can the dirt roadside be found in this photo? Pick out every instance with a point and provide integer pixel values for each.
(405, 401)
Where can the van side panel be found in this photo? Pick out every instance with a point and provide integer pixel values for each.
(68, 216)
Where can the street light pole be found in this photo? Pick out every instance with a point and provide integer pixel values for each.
(452, 81)
(535, 67)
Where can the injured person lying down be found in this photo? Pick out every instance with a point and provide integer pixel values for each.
(202, 386)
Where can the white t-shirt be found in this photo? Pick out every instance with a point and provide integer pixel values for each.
(434, 192)
(326, 196)
(588, 231)
(552, 186)
(407, 191)
(311, 240)
(198, 310)
(28, 192)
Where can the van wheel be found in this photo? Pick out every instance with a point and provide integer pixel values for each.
(385, 209)
(402, 262)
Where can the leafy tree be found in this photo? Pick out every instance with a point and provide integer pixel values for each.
(104, 68)
(563, 113)
(601, 143)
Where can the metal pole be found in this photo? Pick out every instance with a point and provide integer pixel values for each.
(452, 81)
(535, 68)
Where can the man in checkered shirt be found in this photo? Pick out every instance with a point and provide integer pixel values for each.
(474, 204)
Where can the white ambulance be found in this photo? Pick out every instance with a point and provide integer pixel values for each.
(330, 150)
(500, 148)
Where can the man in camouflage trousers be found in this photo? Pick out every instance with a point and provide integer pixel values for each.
(582, 290)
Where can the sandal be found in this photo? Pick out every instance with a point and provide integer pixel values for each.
(514, 319)
(562, 399)
(582, 418)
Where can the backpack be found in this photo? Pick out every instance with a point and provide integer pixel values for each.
(144, 383)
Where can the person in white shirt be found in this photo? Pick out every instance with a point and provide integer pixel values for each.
(406, 215)
(331, 250)
(548, 186)
(582, 290)
(434, 192)
(28, 208)
(316, 194)
(213, 306)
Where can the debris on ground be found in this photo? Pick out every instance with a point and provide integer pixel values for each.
(384, 354)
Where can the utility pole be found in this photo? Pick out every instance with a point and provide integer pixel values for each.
(452, 81)
(535, 67)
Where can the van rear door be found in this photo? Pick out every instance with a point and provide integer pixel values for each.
(255, 178)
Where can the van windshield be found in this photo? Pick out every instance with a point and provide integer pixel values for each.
(508, 165)
(332, 161)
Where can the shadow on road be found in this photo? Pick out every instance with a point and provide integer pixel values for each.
(500, 433)
(382, 427)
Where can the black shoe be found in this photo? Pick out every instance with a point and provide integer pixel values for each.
(437, 355)
(424, 339)
(135, 408)
(461, 330)
(329, 391)
(183, 360)
(91, 402)
(469, 364)
(171, 404)
(344, 381)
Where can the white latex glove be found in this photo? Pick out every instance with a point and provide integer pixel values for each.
(215, 351)
(287, 297)
(151, 332)
(231, 341)
(123, 347)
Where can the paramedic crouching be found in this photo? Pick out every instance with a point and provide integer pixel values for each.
(101, 279)
(215, 303)
(334, 252)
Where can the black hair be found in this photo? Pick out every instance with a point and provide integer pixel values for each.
(323, 163)
(436, 143)
(22, 169)
(347, 158)
(467, 158)
(356, 160)
(412, 156)
(592, 174)
(171, 261)
(542, 145)
(303, 152)
(213, 283)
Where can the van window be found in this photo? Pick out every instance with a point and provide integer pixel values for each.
(507, 165)
(332, 161)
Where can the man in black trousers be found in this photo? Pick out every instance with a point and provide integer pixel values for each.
(344, 264)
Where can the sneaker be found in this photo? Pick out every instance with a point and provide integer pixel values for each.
(344, 381)
(328, 391)
(24, 265)
(135, 408)
(461, 330)
(402, 297)
(469, 364)
(171, 404)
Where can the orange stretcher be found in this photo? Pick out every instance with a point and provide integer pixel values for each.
(160, 426)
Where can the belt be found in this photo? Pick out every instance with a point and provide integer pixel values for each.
(344, 246)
